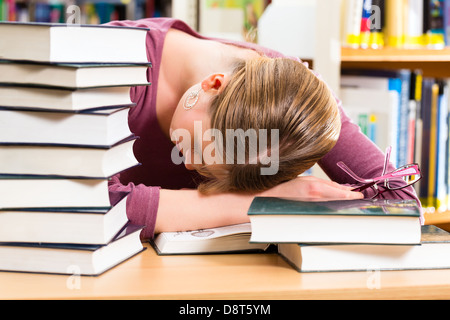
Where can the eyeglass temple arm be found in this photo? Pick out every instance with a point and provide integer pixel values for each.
(344, 167)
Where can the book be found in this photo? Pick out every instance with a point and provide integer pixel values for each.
(63, 225)
(432, 253)
(414, 123)
(43, 192)
(102, 127)
(72, 259)
(441, 148)
(73, 75)
(352, 11)
(62, 98)
(67, 161)
(424, 152)
(59, 42)
(414, 24)
(434, 24)
(233, 238)
(446, 21)
(377, 21)
(395, 21)
(281, 220)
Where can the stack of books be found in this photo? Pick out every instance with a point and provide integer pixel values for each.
(349, 235)
(64, 102)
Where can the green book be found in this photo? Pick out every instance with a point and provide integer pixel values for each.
(282, 220)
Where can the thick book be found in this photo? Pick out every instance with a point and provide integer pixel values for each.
(67, 161)
(31, 97)
(52, 42)
(281, 220)
(432, 253)
(233, 238)
(73, 75)
(72, 259)
(51, 192)
(101, 127)
(63, 225)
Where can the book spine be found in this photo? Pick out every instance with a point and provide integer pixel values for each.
(425, 141)
(414, 24)
(442, 141)
(447, 151)
(433, 145)
(377, 27)
(434, 23)
(352, 16)
(365, 24)
(446, 21)
(395, 23)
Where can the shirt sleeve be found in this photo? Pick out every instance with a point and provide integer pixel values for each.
(362, 156)
(142, 203)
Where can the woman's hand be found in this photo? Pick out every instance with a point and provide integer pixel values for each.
(312, 188)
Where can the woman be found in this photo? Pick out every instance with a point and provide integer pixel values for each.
(200, 85)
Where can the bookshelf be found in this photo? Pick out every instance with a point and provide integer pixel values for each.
(433, 63)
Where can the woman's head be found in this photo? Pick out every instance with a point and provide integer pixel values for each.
(272, 119)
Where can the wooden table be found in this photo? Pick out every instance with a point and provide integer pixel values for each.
(230, 276)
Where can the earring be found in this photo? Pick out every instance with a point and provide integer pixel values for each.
(191, 99)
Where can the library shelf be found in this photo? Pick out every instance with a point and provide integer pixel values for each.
(433, 62)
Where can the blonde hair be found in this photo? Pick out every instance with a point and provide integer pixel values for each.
(267, 93)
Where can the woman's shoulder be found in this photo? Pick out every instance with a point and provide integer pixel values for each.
(155, 25)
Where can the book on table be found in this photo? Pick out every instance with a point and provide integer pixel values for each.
(278, 220)
(51, 98)
(102, 127)
(52, 192)
(54, 42)
(67, 160)
(76, 225)
(73, 75)
(432, 253)
(227, 239)
(73, 259)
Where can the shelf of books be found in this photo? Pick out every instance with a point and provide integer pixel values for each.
(395, 61)
(91, 11)
(408, 110)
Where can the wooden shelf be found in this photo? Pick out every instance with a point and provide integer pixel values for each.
(395, 55)
(434, 63)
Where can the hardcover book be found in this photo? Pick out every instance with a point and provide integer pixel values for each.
(58, 42)
(75, 225)
(79, 259)
(432, 253)
(73, 75)
(281, 220)
(102, 127)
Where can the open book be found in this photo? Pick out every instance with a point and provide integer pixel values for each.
(233, 238)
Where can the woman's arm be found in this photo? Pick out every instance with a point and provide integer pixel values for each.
(181, 210)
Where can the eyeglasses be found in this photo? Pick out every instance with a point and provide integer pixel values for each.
(400, 178)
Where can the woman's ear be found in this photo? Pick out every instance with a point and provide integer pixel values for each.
(214, 83)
